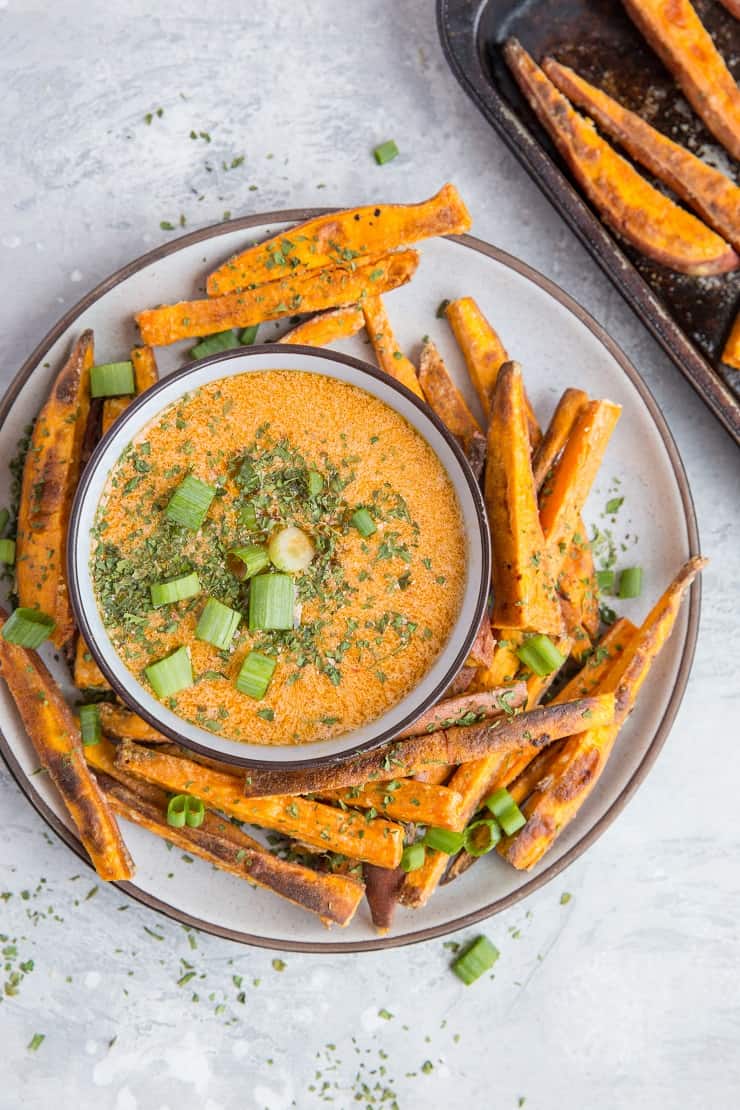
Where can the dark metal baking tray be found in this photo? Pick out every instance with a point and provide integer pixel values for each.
(690, 317)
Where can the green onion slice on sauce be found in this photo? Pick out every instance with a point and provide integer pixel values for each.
(90, 728)
(291, 550)
(481, 836)
(271, 602)
(7, 552)
(255, 674)
(190, 503)
(212, 344)
(476, 960)
(363, 522)
(506, 811)
(413, 856)
(217, 624)
(112, 379)
(248, 517)
(184, 809)
(248, 561)
(630, 582)
(443, 840)
(539, 654)
(171, 674)
(28, 628)
(174, 589)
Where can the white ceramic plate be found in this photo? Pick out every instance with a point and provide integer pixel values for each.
(558, 345)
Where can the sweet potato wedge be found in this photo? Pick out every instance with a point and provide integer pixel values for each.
(483, 647)
(505, 663)
(122, 724)
(686, 48)
(703, 188)
(312, 293)
(339, 238)
(733, 7)
(556, 434)
(87, 674)
(448, 403)
(55, 735)
(403, 800)
(145, 375)
(523, 590)
(381, 890)
(324, 827)
(468, 708)
(731, 351)
(646, 218)
(50, 475)
(390, 359)
(326, 327)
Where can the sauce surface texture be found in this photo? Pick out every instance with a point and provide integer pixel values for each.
(372, 612)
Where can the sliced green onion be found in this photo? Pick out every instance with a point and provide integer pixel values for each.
(248, 517)
(7, 552)
(255, 674)
(506, 811)
(112, 379)
(212, 344)
(481, 836)
(363, 522)
(28, 628)
(291, 550)
(443, 840)
(4, 518)
(217, 624)
(190, 503)
(174, 589)
(250, 560)
(184, 809)
(271, 602)
(630, 582)
(171, 674)
(413, 856)
(385, 152)
(90, 728)
(248, 335)
(476, 960)
(539, 654)
(605, 580)
(315, 483)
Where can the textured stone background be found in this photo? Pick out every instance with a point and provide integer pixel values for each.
(626, 996)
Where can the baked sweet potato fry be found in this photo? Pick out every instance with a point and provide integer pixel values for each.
(446, 400)
(505, 663)
(324, 827)
(686, 48)
(483, 647)
(50, 475)
(733, 7)
(122, 724)
(339, 238)
(523, 590)
(403, 800)
(390, 359)
(703, 188)
(146, 374)
(556, 434)
(646, 218)
(468, 708)
(731, 351)
(55, 735)
(312, 293)
(87, 674)
(326, 327)
(381, 890)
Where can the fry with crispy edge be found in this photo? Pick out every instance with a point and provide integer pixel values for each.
(324, 827)
(715, 197)
(326, 327)
(731, 352)
(381, 890)
(403, 800)
(461, 744)
(338, 238)
(455, 711)
(568, 408)
(390, 359)
(87, 674)
(686, 48)
(646, 218)
(576, 769)
(50, 476)
(733, 7)
(146, 374)
(314, 292)
(122, 724)
(55, 735)
(483, 647)
(446, 400)
(523, 591)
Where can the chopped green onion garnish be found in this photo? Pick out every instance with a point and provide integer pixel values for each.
(28, 628)
(506, 811)
(481, 836)
(605, 580)
(271, 602)
(255, 674)
(363, 522)
(630, 582)
(217, 624)
(315, 483)
(539, 654)
(4, 518)
(413, 856)
(248, 561)
(174, 589)
(183, 809)
(476, 960)
(248, 335)
(90, 724)
(171, 674)
(386, 152)
(112, 379)
(248, 517)
(291, 550)
(444, 840)
(212, 344)
(190, 503)
(7, 552)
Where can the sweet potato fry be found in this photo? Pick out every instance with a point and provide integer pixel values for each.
(731, 352)
(715, 197)
(467, 709)
(55, 735)
(381, 890)
(312, 293)
(556, 434)
(390, 359)
(462, 681)
(326, 327)
(656, 226)
(403, 800)
(87, 674)
(483, 647)
(145, 374)
(448, 403)
(733, 7)
(505, 663)
(338, 238)
(523, 591)
(50, 476)
(686, 48)
(122, 724)
(328, 829)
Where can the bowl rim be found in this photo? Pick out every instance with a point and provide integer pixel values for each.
(129, 698)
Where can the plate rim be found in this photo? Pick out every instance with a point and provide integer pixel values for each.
(664, 726)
